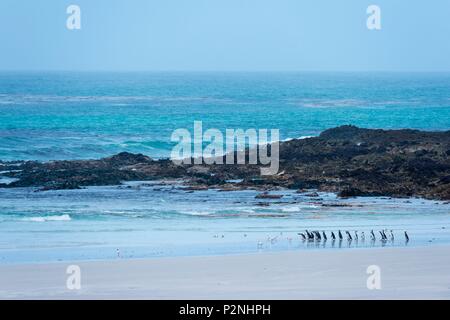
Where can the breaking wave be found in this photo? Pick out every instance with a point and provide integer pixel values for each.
(64, 217)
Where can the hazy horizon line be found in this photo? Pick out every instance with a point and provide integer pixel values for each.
(217, 71)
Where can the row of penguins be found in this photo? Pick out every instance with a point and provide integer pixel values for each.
(385, 235)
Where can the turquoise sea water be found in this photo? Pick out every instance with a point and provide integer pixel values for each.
(47, 116)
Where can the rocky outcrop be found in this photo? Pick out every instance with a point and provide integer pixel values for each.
(348, 160)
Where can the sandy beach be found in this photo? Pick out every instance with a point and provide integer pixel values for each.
(406, 273)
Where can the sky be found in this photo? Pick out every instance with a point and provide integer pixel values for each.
(225, 35)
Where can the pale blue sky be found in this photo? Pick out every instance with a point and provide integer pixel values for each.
(225, 35)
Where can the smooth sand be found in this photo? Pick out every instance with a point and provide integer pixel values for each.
(411, 273)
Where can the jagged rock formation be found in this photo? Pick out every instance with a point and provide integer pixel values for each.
(348, 160)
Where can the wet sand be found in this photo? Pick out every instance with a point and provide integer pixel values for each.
(406, 273)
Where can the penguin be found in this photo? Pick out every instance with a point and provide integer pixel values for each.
(382, 235)
(318, 237)
(406, 237)
(333, 237)
(303, 236)
(363, 236)
(349, 236)
(340, 235)
(356, 235)
(324, 236)
(392, 236)
(372, 235)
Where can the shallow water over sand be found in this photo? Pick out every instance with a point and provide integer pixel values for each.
(152, 220)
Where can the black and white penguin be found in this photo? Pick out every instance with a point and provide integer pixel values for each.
(318, 237)
(349, 236)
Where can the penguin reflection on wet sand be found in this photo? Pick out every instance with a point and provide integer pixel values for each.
(320, 238)
(317, 238)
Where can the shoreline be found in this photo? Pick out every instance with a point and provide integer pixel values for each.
(216, 255)
(151, 222)
(412, 273)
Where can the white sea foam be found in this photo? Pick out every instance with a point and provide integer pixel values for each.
(12, 99)
(64, 217)
(7, 180)
(299, 208)
(291, 209)
(196, 213)
(331, 103)
(299, 138)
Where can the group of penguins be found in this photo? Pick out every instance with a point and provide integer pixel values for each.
(317, 236)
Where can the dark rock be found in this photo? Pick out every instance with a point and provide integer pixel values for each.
(312, 195)
(197, 188)
(263, 204)
(336, 205)
(126, 158)
(266, 195)
(347, 160)
(350, 192)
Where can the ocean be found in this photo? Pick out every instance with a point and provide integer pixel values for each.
(49, 116)
(62, 115)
